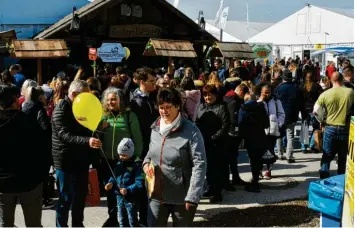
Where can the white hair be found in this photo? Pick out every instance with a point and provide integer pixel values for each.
(28, 83)
(77, 86)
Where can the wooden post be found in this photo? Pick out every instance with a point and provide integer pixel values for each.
(170, 65)
(39, 71)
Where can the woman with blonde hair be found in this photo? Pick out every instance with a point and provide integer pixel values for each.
(189, 73)
(27, 84)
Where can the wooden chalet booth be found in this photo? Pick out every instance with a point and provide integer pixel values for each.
(170, 49)
(38, 50)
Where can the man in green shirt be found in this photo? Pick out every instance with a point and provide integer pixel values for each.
(337, 103)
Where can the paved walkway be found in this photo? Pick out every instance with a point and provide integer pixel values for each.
(290, 181)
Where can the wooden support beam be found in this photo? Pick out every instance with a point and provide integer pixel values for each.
(39, 71)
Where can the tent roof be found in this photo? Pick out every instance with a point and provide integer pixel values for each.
(296, 30)
(216, 33)
(239, 29)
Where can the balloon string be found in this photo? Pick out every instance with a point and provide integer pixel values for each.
(108, 164)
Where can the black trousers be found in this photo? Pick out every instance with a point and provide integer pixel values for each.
(256, 164)
(214, 167)
(230, 159)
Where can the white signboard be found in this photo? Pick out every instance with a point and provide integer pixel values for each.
(111, 52)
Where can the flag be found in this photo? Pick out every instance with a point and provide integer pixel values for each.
(176, 3)
(218, 15)
(224, 18)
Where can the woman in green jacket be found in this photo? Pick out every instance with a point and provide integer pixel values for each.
(118, 123)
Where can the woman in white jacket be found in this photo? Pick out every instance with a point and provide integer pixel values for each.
(276, 115)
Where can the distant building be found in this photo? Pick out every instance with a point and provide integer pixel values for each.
(29, 17)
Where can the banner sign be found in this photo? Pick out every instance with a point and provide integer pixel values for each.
(348, 205)
(136, 30)
(111, 52)
(262, 51)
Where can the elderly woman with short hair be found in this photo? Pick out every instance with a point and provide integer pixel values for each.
(177, 153)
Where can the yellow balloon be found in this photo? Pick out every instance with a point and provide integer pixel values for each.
(87, 110)
(128, 52)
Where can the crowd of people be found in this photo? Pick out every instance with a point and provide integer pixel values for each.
(180, 128)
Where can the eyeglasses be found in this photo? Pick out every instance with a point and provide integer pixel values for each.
(166, 108)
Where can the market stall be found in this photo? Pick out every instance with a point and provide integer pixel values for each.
(170, 48)
(39, 50)
(232, 50)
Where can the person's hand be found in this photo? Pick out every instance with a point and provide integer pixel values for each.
(123, 191)
(147, 170)
(108, 186)
(95, 143)
(188, 205)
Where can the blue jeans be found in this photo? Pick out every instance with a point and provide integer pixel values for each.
(316, 126)
(127, 212)
(335, 141)
(72, 188)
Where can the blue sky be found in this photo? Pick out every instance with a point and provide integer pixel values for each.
(259, 10)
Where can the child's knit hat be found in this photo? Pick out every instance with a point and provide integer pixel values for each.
(126, 147)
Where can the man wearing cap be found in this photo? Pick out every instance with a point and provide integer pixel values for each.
(292, 102)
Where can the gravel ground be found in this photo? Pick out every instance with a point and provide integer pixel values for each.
(285, 214)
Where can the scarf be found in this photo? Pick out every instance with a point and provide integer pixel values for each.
(164, 127)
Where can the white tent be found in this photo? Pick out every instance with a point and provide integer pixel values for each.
(237, 31)
(213, 30)
(309, 26)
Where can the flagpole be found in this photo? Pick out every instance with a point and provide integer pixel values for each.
(221, 35)
(246, 2)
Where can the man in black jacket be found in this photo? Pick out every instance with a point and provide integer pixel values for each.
(292, 101)
(144, 107)
(234, 100)
(71, 145)
(22, 162)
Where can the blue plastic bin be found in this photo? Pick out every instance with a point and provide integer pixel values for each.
(326, 196)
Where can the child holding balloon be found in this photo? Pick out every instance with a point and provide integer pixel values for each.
(126, 183)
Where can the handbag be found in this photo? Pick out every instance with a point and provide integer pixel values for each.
(304, 135)
(150, 180)
(93, 196)
(268, 157)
